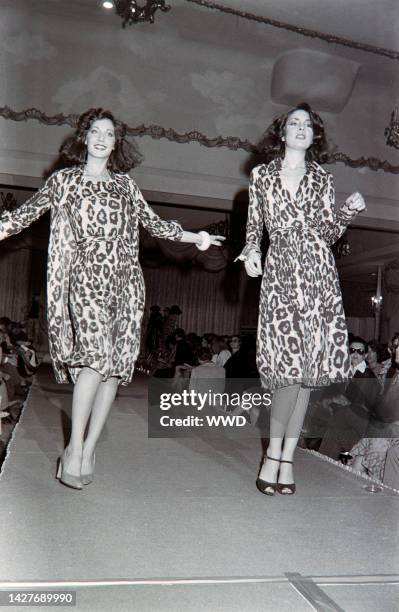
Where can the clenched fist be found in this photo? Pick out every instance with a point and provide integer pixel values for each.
(355, 202)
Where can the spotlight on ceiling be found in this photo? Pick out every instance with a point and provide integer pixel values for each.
(108, 4)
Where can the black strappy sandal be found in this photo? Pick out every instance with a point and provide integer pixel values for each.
(263, 485)
(286, 489)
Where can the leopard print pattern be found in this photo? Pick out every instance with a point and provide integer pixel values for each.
(95, 284)
(302, 334)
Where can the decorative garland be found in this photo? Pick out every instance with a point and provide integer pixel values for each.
(329, 38)
(157, 132)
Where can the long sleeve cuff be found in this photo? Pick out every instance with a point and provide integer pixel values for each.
(347, 215)
(250, 246)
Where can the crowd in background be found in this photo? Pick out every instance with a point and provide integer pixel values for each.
(356, 422)
(18, 363)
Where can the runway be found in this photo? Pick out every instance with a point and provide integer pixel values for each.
(177, 523)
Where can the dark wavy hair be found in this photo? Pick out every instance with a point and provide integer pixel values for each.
(272, 145)
(125, 154)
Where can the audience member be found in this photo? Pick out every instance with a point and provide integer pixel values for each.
(207, 376)
(184, 352)
(350, 420)
(220, 351)
(378, 360)
(369, 455)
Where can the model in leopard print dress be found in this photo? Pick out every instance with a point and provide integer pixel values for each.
(302, 336)
(95, 283)
(96, 288)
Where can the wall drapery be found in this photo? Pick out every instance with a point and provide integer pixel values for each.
(231, 142)
(15, 276)
(210, 302)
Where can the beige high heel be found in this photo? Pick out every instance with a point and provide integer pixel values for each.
(88, 478)
(67, 479)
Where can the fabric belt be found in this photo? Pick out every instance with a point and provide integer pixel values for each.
(296, 226)
(125, 242)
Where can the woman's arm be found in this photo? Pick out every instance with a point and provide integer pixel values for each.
(171, 230)
(334, 223)
(13, 222)
(251, 253)
(201, 239)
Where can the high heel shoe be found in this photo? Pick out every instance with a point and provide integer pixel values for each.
(265, 487)
(88, 478)
(286, 489)
(67, 479)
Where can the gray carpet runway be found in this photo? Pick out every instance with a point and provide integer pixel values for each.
(177, 523)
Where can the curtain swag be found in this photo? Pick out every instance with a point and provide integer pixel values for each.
(157, 132)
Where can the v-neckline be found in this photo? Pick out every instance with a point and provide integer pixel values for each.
(295, 197)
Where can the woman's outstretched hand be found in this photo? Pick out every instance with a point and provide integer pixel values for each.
(217, 240)
(253, 266)
(355, 202)
(204, 240)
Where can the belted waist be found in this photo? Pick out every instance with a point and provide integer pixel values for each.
(126, 242)
(295, 226)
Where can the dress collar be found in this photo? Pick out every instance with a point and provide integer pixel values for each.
(276, 165)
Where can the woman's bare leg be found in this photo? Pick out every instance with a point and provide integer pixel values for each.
(283, 405)
(84, 393)
(102, 405)
(292, 434)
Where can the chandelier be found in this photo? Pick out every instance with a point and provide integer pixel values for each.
(392, 131)
(130, 12)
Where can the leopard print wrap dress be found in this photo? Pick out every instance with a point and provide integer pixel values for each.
(95, 288)
(302, 334)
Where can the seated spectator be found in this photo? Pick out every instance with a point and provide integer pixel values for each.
(378, 360)
(164, 364)
(234, 344)
(241, 372)
(207, 376)
(184, 352)
(9, 367)
(369, 455)
(351, 417)
(194, 341)
(27, 360)
(180, 360)
(220, 351)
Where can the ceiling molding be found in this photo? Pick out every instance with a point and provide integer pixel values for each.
(325, 36)
(158, 132)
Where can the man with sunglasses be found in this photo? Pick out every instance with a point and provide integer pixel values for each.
(356, 404)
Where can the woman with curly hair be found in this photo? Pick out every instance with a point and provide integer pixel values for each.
(302, 338)
(95, 283)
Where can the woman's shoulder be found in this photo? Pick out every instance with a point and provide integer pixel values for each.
(125, 179)
(262, 170)
(65, 174)
(315, 167)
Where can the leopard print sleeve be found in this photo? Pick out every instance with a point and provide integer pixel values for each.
(153, 223)
(255, 217)
(333, 223)
(13, 222)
